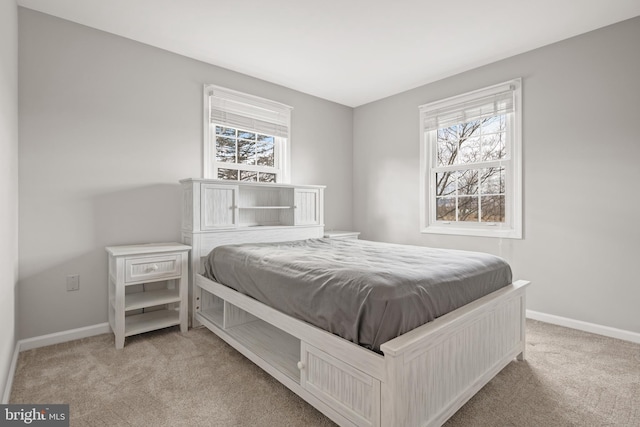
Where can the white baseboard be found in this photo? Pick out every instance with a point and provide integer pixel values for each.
(12, 371)
(64, 336)
(593, 328)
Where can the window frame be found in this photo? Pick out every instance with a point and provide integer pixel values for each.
(512, 227)
(253, 107)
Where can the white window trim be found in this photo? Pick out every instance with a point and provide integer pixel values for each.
(269, 108)
(512, 228)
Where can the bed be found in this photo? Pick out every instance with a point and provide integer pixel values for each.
(365, 292)
(419, 378)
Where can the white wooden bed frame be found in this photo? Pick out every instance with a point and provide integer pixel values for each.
(424, 377)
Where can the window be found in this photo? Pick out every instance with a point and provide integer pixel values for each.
(246, 138)
(471, 163)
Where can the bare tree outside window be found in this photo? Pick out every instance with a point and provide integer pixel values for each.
(465, 190)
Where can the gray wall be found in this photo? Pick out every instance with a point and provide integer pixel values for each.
(581, 106)
(8, 183)
(107, 128)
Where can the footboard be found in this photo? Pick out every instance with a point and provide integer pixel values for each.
(433, 370)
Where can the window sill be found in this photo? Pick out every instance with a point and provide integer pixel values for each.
(488, 231)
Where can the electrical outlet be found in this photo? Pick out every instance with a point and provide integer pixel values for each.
(73, 282)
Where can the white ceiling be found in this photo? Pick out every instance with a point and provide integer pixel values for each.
(348, 51)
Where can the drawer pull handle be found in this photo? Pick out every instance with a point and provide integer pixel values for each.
(300, 366)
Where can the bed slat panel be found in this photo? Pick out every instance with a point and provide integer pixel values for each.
(338, 383)
(445, 376)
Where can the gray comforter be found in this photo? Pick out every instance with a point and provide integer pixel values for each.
(365, 292)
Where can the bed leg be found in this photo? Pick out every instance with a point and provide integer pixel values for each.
(523, 327)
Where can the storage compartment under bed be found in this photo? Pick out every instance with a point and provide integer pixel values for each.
(279, 349)
(332, 381)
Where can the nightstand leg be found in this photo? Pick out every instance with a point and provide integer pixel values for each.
(119, 342)
(119, 315)
(182, 284)
(119, 332)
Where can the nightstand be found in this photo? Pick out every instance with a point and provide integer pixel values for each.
(163, 268)
(338, 234)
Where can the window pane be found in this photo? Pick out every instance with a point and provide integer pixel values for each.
(446, 209)
(267, 177)
(246, 135)
(469, 130)
(447, 145)
(266, 138)
(230, 174)
(494, 124)
(265, 150)
(470, 150)
(248, 176)
(225, 149)
(246, 152)
(469, 142)
(445, 183)
(493, 138)
(468, 208)
(492, 181)
(468, 182)
(492, 208)
(493, 146)
(225, 131)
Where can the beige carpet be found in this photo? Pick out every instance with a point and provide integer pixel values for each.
(164, 378)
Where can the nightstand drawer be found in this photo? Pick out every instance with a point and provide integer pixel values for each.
(146, 268)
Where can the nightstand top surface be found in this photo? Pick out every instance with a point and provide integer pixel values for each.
(340, 233)
(146, 248)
